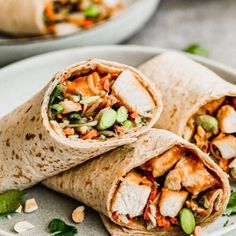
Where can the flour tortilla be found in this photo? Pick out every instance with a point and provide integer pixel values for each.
(31, 151)
(22, 17)
(185, 86)
(95, 182)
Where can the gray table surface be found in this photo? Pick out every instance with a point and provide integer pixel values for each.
(178, 23)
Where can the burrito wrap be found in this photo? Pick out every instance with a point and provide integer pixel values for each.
(95, 182)
(17, 16)
(31, 151)
(186, 86)
(194, 98)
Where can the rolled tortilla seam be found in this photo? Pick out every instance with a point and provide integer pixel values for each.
(30, 150)
(186, 86)
(95, 182)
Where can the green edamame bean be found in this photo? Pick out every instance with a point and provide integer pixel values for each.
(107, 120)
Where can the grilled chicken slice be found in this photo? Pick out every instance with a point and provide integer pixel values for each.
(194, 176)
(171, 202)
(65, 28)
(132, 93)
(110, 3)
(227, 119)
(226, 146)
(70, 106)
(132, 195)
(173, 180)
(161, 164)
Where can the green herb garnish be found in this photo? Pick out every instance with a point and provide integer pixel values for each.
(57, 93)
(10, 201)
(231, 207)
(74, 116)
(197, 49)
(226, 222)
(57, 108)
(58, 227)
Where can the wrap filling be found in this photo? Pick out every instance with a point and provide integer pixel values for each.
(213, 129)
(155, 193)
(100, 103)
(66, 16)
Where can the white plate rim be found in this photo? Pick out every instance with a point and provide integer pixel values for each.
(125, 48)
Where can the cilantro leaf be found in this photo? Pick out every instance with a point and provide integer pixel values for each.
(10, 201)
(56, 93)
(58, 227)
(197, 49)
(231, 207)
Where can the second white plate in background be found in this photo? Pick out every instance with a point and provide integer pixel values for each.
(114, 30)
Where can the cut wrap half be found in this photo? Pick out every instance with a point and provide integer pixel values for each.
(87, 109)
(38, 17)
(199, 106)
(143, 187)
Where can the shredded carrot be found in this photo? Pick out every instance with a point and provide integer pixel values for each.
(106, 82)
(152, 196)
(97, 80)
(88, 23)
(204, 212)
(224, 164)
(162, 221)
(131, 220)
(59, 116)
(51, 14)
(173, 220)
(116, 215)
(133, 115)
(91, 134)
(68, 131)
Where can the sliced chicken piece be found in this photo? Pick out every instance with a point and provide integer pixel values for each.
(227, 119)
(161, 164)
(132, 93)
(226, 146)
(111, 3)
(70, 106)
(171, 202)
(194, 176)
(132, 195)
(173, 180)
(65, 28)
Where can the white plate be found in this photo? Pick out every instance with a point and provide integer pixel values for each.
(19, 81)
(115, 30)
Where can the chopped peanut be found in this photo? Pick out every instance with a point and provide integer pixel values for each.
(30, 205)
(78, 214)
